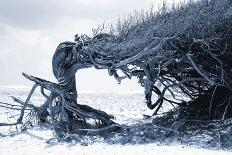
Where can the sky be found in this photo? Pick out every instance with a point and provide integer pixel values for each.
(30, 31)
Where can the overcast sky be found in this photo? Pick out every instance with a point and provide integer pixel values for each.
(30, 31)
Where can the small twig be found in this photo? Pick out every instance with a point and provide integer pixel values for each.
(12, 105)
(12, 108)
(111, 127)
(211, 101)
(22, 103)
(225, 111)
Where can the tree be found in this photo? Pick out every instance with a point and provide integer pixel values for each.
(185, 49)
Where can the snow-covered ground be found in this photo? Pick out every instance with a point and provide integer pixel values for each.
(32, 142)
(127, 108)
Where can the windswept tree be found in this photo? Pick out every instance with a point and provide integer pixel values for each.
(186, 49)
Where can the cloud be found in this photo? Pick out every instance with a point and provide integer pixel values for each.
(31, 29)
(47, 13)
